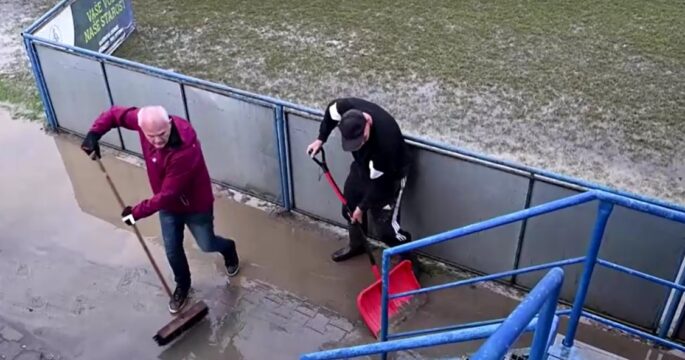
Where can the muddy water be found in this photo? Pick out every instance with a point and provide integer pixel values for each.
(72, 276)
(76, 279)
(272, 249)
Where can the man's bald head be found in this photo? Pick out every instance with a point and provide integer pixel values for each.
(156, 125)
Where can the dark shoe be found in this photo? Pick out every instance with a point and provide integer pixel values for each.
(178, 299)
(232, 263)
(233, 269)
(346, 253)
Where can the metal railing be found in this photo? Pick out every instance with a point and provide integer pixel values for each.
(501, 340)
(541, 301)
(606, 204)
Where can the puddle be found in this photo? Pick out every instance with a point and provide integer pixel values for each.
(74, 277)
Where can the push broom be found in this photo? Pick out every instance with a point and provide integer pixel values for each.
(185, 319)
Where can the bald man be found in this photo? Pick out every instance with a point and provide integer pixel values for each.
(180, 183)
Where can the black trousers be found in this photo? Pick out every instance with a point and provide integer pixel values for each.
(385, 216)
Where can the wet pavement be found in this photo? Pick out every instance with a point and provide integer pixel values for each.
(75, 283)
(17, 343)
(77, 280)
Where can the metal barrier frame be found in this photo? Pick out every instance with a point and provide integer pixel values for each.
(501, 334)
(284, 159)
(606, 204)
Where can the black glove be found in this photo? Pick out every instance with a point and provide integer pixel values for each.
(91, 146)
(127, 216)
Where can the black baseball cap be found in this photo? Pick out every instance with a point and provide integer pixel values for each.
(351, 128)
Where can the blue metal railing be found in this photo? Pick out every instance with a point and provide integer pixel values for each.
(542, 301)
(606, 204)
(501, 340)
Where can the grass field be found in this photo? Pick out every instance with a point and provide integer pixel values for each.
(17, 85)
(589, 89)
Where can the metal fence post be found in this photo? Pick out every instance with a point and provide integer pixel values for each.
(524, 224)
(287, 161)
(283, 157)
(40, 83)
(111, 100)
(603, 214)
(185, 101)
(385, 286)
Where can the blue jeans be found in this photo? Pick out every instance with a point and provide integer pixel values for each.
(201, 225)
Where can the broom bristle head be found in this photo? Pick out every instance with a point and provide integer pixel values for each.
(184, 321)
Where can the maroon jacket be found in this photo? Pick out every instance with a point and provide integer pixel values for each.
(177, 172)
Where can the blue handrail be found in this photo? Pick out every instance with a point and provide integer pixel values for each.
(448, 337)
(542, 299)
(606, 204)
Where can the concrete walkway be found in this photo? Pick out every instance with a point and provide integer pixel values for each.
(76, 285)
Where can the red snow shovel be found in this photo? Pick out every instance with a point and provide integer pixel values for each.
(402, 278)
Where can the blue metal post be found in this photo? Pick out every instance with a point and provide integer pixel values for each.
(385, 278)
(545, 325)
(603, 214)
(282, 157)
(288, 160)
(40, 83)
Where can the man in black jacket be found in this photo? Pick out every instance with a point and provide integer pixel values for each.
(378, 173)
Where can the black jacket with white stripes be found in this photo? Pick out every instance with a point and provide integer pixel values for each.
(384, 159)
